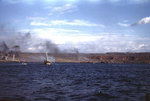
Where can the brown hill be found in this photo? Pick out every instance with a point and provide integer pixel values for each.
(93, 58)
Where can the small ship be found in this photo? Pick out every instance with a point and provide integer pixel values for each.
(47, 61)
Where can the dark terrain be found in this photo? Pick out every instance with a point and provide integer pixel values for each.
(141, 58)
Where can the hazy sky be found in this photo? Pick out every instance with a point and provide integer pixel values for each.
(87, 25)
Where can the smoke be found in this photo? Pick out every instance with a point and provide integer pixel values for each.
(17, 39)
(51, 58)
(142, 21)
(27, 42)
(3, 47)
(51, 47)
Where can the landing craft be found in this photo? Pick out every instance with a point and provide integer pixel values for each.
(14, 60)
(47, 61)
(23, 63)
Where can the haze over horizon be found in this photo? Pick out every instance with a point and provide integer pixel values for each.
(87, 26)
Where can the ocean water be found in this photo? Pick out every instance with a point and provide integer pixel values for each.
(74, 82)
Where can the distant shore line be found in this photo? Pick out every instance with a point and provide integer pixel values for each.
(121, 58)
(69, 62)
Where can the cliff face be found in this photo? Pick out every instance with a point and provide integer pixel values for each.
(94, 58)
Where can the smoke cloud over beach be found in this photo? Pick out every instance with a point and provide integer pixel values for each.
(26, 41)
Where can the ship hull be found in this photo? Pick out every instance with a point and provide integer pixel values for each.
(47, 62)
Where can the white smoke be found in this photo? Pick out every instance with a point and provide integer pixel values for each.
(51, 58)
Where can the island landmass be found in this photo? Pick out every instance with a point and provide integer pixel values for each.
(141, 58)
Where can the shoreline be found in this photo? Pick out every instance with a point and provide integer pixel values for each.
(70, 62)
(121, 58)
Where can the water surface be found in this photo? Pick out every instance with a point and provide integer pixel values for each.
(74, 82)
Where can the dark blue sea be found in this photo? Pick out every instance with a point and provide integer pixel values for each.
(74, 82)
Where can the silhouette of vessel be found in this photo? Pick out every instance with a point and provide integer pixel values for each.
(47, 61)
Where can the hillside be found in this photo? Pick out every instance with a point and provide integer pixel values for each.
(93, 58)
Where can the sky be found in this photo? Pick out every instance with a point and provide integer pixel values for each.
(89, 26)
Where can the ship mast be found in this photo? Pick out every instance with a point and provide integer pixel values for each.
(13, 57)
(47, 62)
(46, 56)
